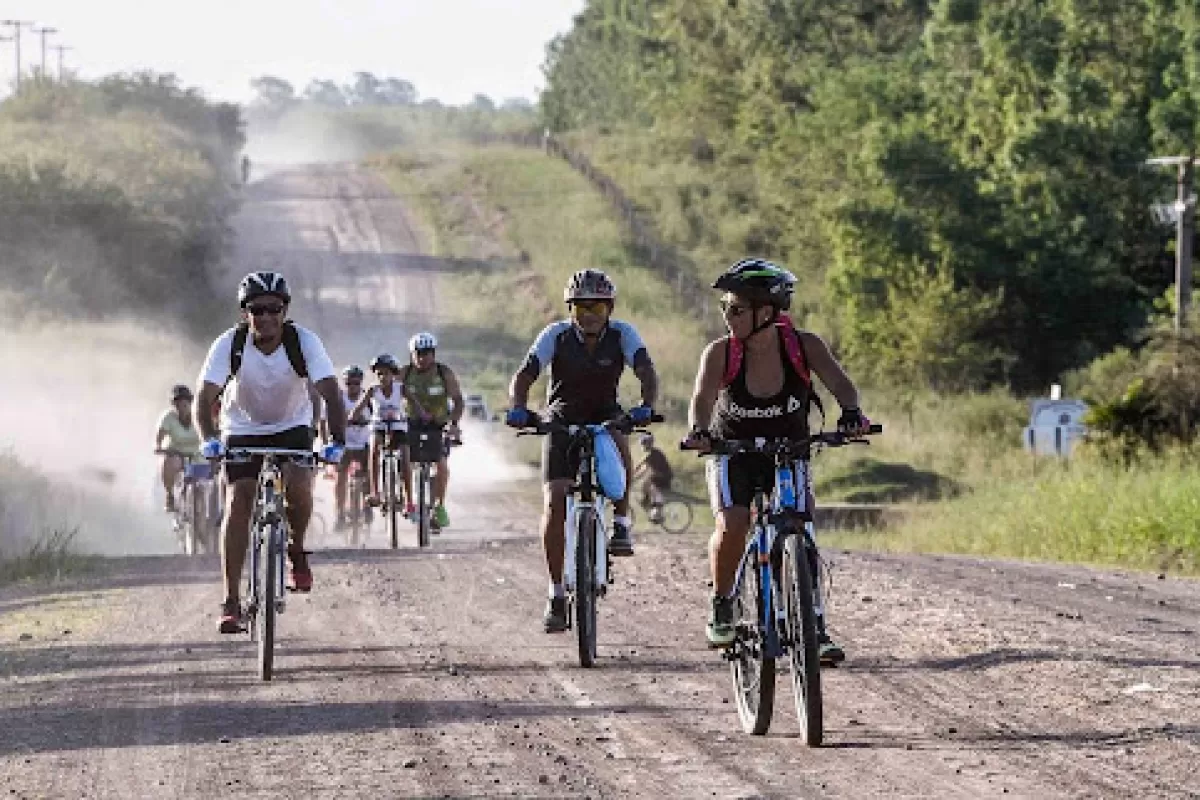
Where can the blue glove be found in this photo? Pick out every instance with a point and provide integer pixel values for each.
(518, 418)
(333, 452)
(212, 448)
(641, 415)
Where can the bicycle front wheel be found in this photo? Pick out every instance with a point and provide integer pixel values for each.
(355, 510)
(585, 588)
(391, 502)
(267, 600)
(804, 649)
(752, 670)
(423, 510)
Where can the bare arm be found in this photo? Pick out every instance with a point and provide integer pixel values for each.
(643, 368)
(205, 399)
(360, 406)
(335, 410)
(822, 362)
(158, 439)
(708, 385)
(518, 388)
(456, 398)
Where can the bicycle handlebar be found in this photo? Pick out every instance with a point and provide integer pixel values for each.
(621, 424)
(300, 457)
(782, 447)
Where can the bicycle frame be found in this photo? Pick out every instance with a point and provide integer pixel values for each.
(269, 514)
(581, 498)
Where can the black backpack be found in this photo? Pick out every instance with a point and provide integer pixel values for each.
(291, 346)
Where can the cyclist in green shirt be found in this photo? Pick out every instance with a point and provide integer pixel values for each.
(434, 399)
(177, 439)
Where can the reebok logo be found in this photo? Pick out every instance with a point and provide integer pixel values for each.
(770, 412)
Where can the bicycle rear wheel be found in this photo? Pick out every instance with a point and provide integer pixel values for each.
(676, 516)
(268, 587)
(391, 504)
(354, 509)
(753, 671)
(804, 649)
(585, 587)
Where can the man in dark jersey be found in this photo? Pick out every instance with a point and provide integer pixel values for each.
(767, 397)
(586, 356)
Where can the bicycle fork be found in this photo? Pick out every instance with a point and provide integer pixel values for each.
(575, 511)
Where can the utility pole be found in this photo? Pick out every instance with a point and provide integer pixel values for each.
(1185, 228)
(16, 26)
(43, 33)
(60, 49)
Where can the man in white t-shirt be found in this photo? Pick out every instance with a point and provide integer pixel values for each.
(269, 365)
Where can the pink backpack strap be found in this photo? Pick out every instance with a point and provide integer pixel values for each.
(795, 353)
(733, 360)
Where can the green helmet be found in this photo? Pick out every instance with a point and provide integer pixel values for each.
(760, 282)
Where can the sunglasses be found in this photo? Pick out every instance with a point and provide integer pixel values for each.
(353, 383)
(425, 352)
(731, 309)
(258, 311)
(590, 306)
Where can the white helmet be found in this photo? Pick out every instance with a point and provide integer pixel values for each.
(422, 341)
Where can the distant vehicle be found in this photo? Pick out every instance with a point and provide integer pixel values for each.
(476, 408)
(1055, 425)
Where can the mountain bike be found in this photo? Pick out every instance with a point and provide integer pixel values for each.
(672, 512)
(358, 513)
(391, 466)
(268, 546)
(777, 590)
(197, 515)
(587, 566)
(427, 445)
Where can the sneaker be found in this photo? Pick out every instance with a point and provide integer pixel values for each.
(231, 617)
(302, 579)
(169, 504)
(441, 517)
(621, 541)
(555, 620)
(720, 630)
(831, 655)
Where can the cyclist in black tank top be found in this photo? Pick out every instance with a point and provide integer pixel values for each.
(758, 399)
(739, 414)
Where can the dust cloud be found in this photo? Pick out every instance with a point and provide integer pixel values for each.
(82, 402)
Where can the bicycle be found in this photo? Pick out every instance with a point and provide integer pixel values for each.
(587, 566)
(673, 512)
(777, 588)
(391, 464)
(358, 512)
(268, 546)
(427, 445)
(197, 515)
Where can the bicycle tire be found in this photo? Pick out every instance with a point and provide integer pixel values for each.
(391, 504)
(423, 510)
(199, 502)
(804, 649)
(752, 671)
(355, 509)
(268, 586)
(585, 587)
(676, 516)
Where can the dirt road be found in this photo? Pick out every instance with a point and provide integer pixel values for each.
(425, 673)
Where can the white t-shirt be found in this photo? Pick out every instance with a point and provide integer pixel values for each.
(389, 407)
(267, 396)
(358, 437)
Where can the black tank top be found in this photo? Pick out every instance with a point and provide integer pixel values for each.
(740, 415)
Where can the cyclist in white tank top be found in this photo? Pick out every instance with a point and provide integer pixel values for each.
(389, 421)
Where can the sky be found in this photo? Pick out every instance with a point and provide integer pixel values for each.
(450, 49)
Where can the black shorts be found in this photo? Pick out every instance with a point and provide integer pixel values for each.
(733, 481)
(299, 438)
(391, 438)
(557, 462)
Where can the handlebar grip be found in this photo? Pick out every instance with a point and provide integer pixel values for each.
(657, 418)
(876, 428)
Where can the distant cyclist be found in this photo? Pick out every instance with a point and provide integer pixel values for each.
(177, 439)
(753, 383)
(358, 438)
(245, 169)
(586, 356)
(434, 401)
(386, 400)
(654, 472)
(268, 363)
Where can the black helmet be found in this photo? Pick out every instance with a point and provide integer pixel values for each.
(589, 284)
(180, 392)
(353, 371)
(760, 282)
(257, 284)
(385, 360)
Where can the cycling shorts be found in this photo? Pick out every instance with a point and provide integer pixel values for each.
(298, 438)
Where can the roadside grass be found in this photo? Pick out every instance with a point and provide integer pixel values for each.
(1146, 516)
(50, 557)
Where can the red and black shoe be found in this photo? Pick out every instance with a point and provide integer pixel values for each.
(231, 619)
(301, 575)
